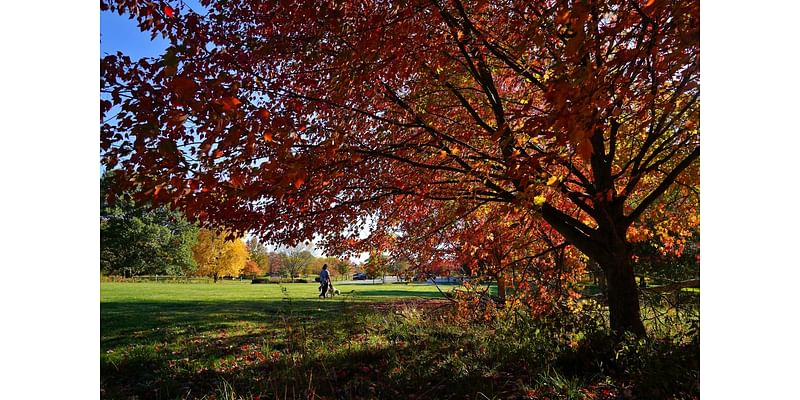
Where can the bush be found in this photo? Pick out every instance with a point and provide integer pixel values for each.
(660, 368)
(271, 280)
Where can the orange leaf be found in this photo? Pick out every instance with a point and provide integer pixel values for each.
(585, 150)
(298, 182)
(236, 182)
(263, 114)
(563, 16)
(229, 103)
(268, 137)
(218, 153)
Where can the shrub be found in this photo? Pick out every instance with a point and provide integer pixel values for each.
(272, 280)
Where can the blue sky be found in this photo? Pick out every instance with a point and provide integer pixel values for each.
(118, 33)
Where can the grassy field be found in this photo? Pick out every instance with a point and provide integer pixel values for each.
(236, 340)
(141, 313)
(179, 339)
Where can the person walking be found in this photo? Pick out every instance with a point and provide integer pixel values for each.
(324, 280)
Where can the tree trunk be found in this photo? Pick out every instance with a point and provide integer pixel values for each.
(501, 288)
(623, 295)
(215, 278)
(608, 246)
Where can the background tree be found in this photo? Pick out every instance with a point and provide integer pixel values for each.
(276, 261)
(218, 257)
(342, 267)
(297, 259)
(376, 265)
(138, 240)
(258, 253)
(252, 269)
(313, 266)
(398, 268)
(586, 112)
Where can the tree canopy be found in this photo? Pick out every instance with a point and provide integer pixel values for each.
(216, 256)
(139, 240)
(293, 119)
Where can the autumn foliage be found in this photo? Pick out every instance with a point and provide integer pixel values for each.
(570, 120)
(216, 256)
(251, 268)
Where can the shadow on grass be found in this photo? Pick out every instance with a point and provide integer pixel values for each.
(292, 366)
(125, 323)
(397, 294)
(348, 350)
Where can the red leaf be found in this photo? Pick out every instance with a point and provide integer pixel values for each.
(168, 11)
(236, 182)
(229, 103)
(184, 87)
(585, 150)
(562, 16)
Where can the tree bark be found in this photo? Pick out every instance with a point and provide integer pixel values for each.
(606, 245)
(623, 295)
(501, 287)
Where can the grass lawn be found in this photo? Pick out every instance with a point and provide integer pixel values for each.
(236, 340)
(139, 313)
(178, 338)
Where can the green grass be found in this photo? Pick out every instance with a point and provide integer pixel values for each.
(111, 292)
(142, 312)
(183, 338)
(235, 340)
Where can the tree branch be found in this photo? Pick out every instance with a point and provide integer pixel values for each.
(665, 184)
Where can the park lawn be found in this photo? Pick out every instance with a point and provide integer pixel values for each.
(237, 340)
(179, 338)
(135, 313)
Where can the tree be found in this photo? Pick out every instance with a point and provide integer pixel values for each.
(252, 269)
(398, 268)
(258, 253)
(342, 267)
(276, 261)
(136, 239)
(216, 256)
(296, 259)
(297, 119)
(313, 266)
(376, 265)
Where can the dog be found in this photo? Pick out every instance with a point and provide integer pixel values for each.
(332, 291)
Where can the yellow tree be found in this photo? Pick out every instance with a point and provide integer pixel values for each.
(216, 257)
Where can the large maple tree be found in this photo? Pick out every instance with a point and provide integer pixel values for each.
(294, 118)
